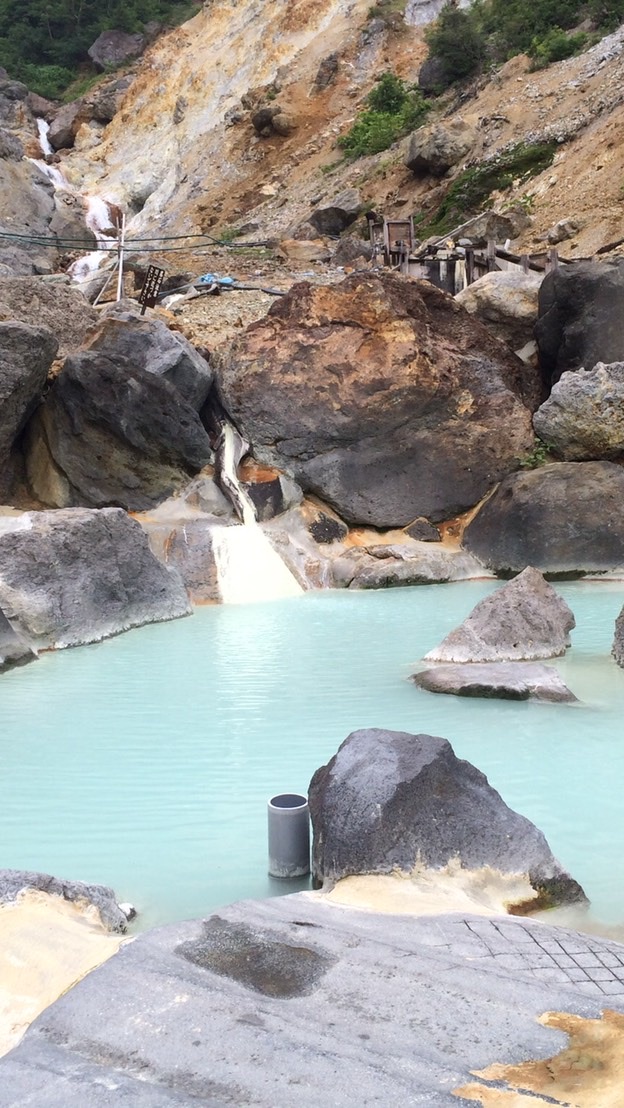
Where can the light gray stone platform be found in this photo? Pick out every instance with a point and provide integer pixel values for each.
(292, 1001)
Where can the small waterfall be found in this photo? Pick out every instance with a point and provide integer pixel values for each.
(44, 142)
(53, 174)
(248, 566)
(101, 222)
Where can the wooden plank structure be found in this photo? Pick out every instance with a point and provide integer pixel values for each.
(453, 261)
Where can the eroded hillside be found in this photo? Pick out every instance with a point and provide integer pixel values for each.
(182, 152)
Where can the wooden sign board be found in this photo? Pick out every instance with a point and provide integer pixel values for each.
(151, 287)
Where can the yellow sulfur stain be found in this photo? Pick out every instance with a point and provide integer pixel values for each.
(588, 1073)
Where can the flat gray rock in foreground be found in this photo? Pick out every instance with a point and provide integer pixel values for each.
(523, 620)
(506, 680)
(79, 575)
(15, 881)
(293, 1002)
(391, 801)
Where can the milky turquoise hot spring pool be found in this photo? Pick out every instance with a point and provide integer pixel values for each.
(145, 762)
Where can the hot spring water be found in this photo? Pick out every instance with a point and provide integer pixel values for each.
(146, 761)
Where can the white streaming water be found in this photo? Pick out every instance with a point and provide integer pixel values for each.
(53, 174)
(44, 142)
(249, 568)
(99, 220)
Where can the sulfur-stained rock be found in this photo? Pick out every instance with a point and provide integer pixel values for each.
(564, 518)
(382, 397)
(524, 620)
(13, 882)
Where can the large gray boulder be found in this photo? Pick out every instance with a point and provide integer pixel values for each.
(581, 316)
(78, 576)
(501, 680)
(62, 309)
(26, 354)
(335, 215)
(506, 302)
(113, 433)
(14, 651)
(437, 147)
(381, 396)
(523, 620)
(13, 882)
(103, 101)
(66, 123)
(564, 518)
(389, 801)
(583, 417)
(149, 345)
(27, 206)
(113, 48)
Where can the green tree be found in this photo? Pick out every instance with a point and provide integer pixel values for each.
(458, 41)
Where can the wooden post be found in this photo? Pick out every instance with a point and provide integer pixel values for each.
(553, 259)
(491, 255)
(120, 252)
(470, 269)
(524, 262)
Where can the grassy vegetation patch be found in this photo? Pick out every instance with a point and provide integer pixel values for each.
(469, 193)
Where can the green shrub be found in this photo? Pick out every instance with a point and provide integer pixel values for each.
(555, 46)
(389, 94)
(394, 109)
(457, 40)
(539, 456)
(47, 80)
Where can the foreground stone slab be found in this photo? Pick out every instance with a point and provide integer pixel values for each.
(505, 680)
(391, 801)
(524, 620)
(77, 576)
(293, 1002)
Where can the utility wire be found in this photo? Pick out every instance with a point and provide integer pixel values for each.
(66, 242)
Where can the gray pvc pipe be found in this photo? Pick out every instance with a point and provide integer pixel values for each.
(289, 835)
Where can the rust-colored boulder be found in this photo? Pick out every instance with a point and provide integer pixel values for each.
(382, 396)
